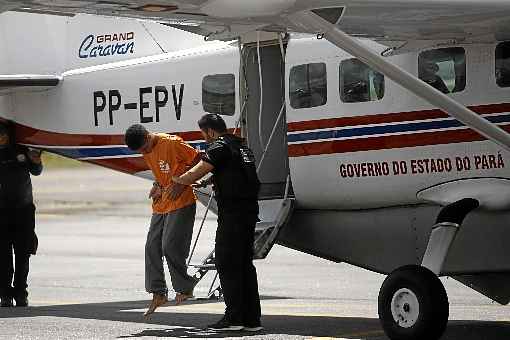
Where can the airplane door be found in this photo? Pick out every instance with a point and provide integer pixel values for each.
(265, 128)
(264, 125)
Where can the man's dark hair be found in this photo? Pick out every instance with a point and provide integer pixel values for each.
(135, 136)
(212, 121)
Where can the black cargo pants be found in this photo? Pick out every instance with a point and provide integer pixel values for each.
(17, 226)
(234, 262)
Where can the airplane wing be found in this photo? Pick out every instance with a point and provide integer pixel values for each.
(406, 24)
(27, 82)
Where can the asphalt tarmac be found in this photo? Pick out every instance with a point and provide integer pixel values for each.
(87, 280)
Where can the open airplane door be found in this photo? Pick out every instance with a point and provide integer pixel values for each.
(263, 124)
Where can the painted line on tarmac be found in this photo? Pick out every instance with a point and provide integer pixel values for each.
(219, 308)
(42, 303)
(349, 336)
(365, 334)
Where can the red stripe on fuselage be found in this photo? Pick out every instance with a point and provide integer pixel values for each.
(385, 118)
(29, 135)
(386, 142)
(128, 165)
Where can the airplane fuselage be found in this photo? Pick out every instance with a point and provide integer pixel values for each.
(369, 177)
(338, 152)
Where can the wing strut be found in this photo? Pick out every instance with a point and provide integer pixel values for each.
(316, 24)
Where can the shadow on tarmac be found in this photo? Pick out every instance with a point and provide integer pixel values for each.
(193, 325)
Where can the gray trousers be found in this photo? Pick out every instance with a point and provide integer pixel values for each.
(169, 236)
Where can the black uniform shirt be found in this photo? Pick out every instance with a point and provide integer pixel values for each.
(218, 155)
(227, 173)
(15, 183)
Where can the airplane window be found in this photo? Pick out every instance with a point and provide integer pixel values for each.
(443, 69)
(503, 64)
(218, 94)
(308, 85)
(359, 83)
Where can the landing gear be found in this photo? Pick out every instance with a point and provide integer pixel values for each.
(413, 304)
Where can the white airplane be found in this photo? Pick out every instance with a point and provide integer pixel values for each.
(391, 154)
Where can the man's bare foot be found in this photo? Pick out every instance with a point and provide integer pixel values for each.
(181, 297)
(158, 300)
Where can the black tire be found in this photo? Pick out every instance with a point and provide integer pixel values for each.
(433, 307)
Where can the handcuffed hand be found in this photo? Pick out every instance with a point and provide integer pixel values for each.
(155, 193)
(175, 190)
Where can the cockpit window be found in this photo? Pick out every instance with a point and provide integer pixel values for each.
(308, 85)
(359, 83)
(219, 94)
(503, 64)
(443, 69)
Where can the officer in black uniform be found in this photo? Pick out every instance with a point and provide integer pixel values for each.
(236, 189)
(17, 216)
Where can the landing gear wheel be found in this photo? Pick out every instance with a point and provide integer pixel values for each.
(413, 304)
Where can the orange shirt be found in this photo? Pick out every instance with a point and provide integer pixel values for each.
(171, 156)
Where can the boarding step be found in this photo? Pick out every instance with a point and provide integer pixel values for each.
(202, 268)
(274, 215)
(207, 265)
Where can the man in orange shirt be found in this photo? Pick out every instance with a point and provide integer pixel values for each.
(173, 215)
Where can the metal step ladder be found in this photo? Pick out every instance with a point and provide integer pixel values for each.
(208, 264)
(274, 215)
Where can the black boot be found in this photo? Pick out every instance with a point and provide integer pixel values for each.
(21, 299)
(21, 302)
(6, 301)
